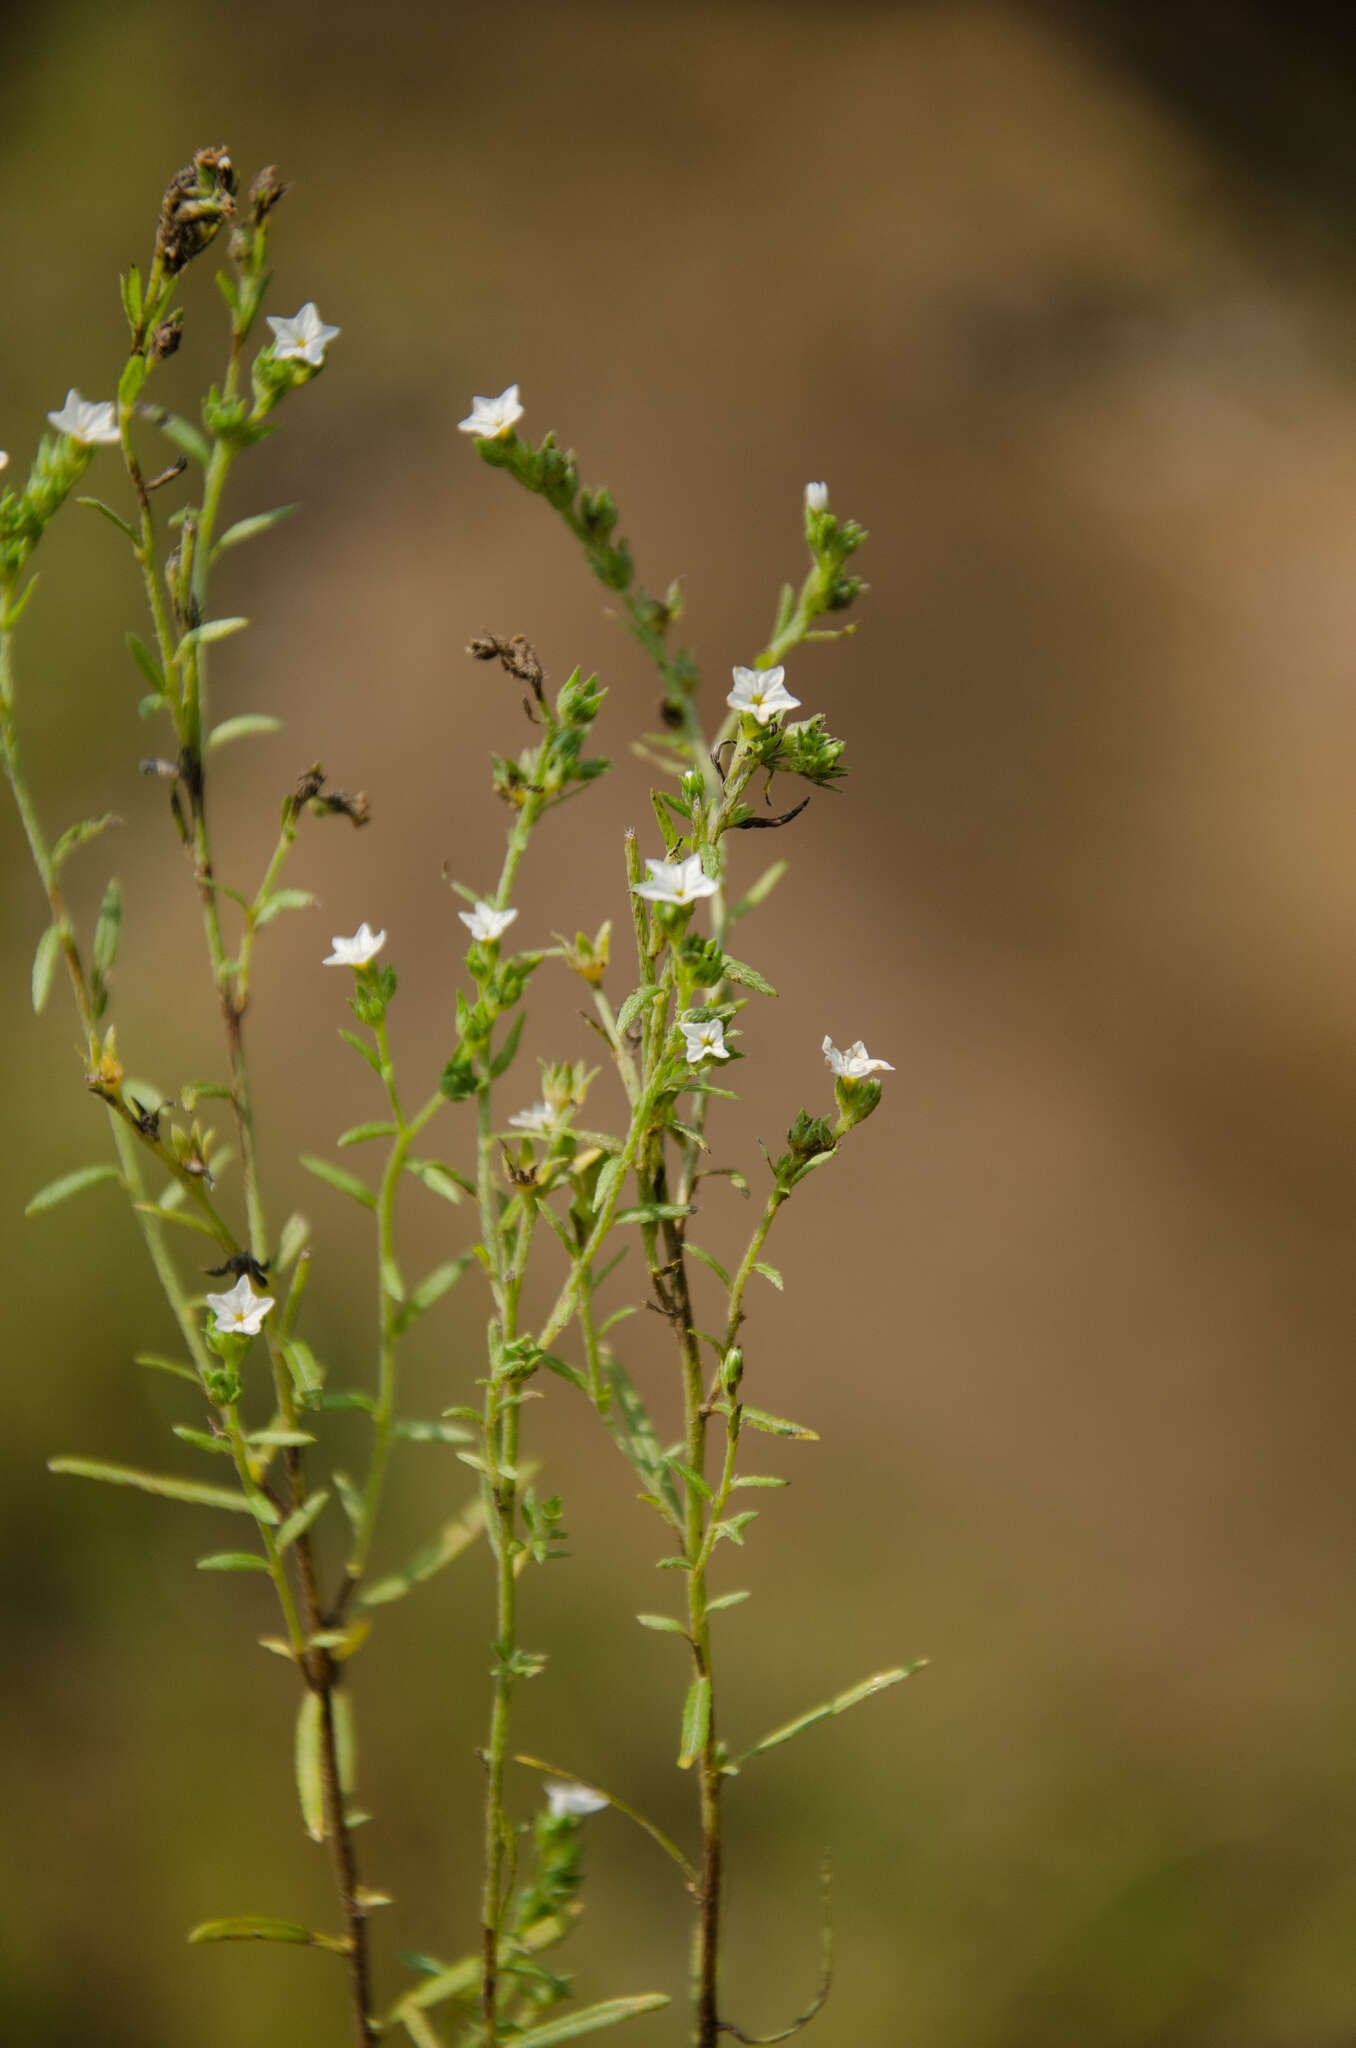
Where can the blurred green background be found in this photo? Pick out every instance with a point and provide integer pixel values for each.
(1058, 299)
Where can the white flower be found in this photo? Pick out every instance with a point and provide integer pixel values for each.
(3, 458)
(761, 692)
(540, 1120)
(854, 1064)
(816, 497)
(485, 922)
(359, 951)
(93, 425)
(302, 339)
(241, 1312)
(678, 881)
(572, 1799)
(491, 418)
(705, 1040)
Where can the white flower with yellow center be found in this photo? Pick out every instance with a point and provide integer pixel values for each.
(302, 339)
(94, 424)
(675, 881)
(241, 1312)
(856, 1063)
(761, 693)
(574, 1800)
(705, 1040)
(359, 951)
(491, 418)
(485, 922)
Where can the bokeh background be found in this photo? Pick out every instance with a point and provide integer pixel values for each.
(1058, 299)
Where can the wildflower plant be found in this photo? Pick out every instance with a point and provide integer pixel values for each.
(567, 1181)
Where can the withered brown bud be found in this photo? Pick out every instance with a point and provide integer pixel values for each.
(197, 200)
(267, 189)
(308, 785)
(517, 657)
(338, 803)
(166, 337)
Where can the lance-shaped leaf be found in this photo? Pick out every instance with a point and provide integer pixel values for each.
(244, 727)
(190, 1490)
(206, 633)
(455, 1536)
(80, 835)
(439, 1179)
(347, 1183)
(590, 2019)
(838, 1705)
(44, 965)
(190, 440)
(310, 1764)
(432, 1289)
(778, 1425)
(246, 529)
(759, 893)
(281, 900)
(233, 1561)
(696, 1721)
(740, 971)
(302, 1518)
(262, 1927)
(147, 663)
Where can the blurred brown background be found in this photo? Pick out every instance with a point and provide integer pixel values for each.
(1058, 299)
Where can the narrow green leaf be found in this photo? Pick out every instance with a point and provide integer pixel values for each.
(245, 726)
(171, 1365)
(696, 1721)
(310, 1740)
(634, 1004)
(358, 1134)
(261, 1927)
(653, 1212)
(590, 2019)
(416, 1430)
(209, 631)
(285, 899)
(420, 2030)
(455, 1536)
(169, 1489)
(233, 1561)
(839, 1705)
(301, 1519)
(504, 1058)
(692, 1478)
(246, 529)
(664, 1622)
(432, 1289)
(295, 1233)
(749, 977)
(760, 891)
(439, 1179)
(391, 1282)
(725, 1600)
(202, 1440)
(778, 1425)
(350, 1498)
(69, 1184)
(108, 929)
(758, 1479)
(307, 1376)
(147, 663)
(80, 835)
(186, 437)
(44, 965)
(280, 1439)
(707, 1259)
(114, 518)
(770, 1273)
(346, 1183)
(345, 1739)
(360, 1045)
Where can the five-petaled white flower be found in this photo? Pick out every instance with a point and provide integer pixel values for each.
(705, 1040)
(92, 423)
(761, 692)
(485, 922)
(302, 339)
(540, 1120)
(854, 1064)
(359, 951)
(241, 1312)
(491, 418)
(816, 497)
(676, 881)
(572, 1799)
